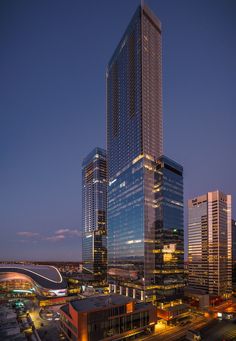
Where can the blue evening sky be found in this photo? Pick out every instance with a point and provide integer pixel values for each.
(53, 56)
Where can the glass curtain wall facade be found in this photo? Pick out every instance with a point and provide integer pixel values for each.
(210, 243)
(169, 228)
(146, 248)
(134, 94)
(126, 134)
(141, 263)
(94, 213)
(145, 192)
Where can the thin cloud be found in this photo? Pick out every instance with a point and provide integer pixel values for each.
(68, 232)
(28, 234)
(62, 231)
(58, 235)
(56, 238)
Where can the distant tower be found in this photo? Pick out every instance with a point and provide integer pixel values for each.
(234, 253)
(209, 243)
(94, 210)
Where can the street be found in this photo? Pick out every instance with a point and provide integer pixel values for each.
(170, 333)
(219, 330)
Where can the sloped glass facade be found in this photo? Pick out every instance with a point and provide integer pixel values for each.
(134, 93)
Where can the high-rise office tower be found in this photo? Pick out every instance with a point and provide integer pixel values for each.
(168, 202)
(145, 220)
(94, 212)
(134, 93)
(234, 253)
(209, 243)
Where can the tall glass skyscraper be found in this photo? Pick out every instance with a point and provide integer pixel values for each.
(134, 93)
(145, 192)
(94, 213)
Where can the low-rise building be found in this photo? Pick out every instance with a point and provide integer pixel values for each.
(9, 326)
(172, 311)
(197, 298)
(107, 318)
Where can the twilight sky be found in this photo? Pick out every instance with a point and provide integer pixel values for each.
(53, 56)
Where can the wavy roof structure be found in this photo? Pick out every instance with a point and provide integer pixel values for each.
(46, 276)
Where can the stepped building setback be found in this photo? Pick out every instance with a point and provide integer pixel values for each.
(145, 190)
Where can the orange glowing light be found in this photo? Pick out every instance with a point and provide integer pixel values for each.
(129, 307)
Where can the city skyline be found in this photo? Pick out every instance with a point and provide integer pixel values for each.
(44, 219)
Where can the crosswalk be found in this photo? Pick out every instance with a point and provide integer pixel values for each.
(230, 335)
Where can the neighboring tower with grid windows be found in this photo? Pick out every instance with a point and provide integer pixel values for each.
(210, 243)
(94, 211)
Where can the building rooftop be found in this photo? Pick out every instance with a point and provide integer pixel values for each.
(45, 275)
(195, 291)
(9, 326)
(42, 270)
(98, 302)
(93, 154)
(177, 307)
(147, 11)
